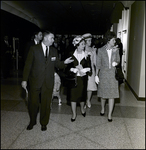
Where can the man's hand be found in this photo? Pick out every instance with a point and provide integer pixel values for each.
(68, 60)
(97, 79)
(24, 84)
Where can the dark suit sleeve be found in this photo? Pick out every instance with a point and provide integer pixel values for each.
(58, 64)
(28, 65)
(27, 48)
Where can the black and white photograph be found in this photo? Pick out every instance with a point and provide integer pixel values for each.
(72, 74)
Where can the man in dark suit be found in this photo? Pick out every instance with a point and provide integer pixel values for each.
(39, 70)
(35, 39)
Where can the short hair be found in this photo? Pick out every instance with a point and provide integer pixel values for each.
(46, 32)
(118, 40)
(35, 33)
(109, 35)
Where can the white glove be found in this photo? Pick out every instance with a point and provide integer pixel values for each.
(74, 70)
(97, 79)
(114, 64)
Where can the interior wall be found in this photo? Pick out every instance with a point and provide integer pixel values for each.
(136, 62)
(142, 73)
(123, 34)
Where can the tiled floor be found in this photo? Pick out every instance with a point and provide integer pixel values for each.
(127, 131)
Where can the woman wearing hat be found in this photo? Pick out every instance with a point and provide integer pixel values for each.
(81, 68)
(107, 58)
(91, 86)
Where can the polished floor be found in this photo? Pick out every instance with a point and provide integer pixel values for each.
(126, 131)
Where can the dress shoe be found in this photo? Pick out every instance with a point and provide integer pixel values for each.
(30, 126)
(72, 120)
(110, 120)
(84, 114)
(101, 114)
(43, 128)
(88, 105)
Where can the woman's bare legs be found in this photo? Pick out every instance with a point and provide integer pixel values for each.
(82, 107)
(111, 106)
(88, 102)
(103, 105)
(73, 107)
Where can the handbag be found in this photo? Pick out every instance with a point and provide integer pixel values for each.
(119, 74)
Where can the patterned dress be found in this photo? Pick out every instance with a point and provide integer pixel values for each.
(108, 85)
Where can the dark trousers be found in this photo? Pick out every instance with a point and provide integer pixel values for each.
(34, 103)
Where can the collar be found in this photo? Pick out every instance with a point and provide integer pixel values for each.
(84, 55)
(44, 46)
(108, 49)
(35, 41)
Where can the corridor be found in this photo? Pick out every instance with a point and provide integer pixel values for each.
(126, 131)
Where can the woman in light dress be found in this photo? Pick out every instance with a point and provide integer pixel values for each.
(91, 79)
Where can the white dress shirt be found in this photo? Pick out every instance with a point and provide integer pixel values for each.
(44, 48)
(35, 42)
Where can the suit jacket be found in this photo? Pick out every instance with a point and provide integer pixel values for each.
(38, 70)
(102, 61)
(27, 48)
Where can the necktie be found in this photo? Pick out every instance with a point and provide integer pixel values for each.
(46, 52)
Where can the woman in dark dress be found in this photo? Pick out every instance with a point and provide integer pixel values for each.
(80, 68)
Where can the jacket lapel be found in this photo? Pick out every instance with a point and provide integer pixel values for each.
(42, 53)
(106, 55)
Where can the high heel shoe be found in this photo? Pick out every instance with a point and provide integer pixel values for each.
(72, 120)
(110, 120)
(84, 114)
(101, 114)
(88, 105)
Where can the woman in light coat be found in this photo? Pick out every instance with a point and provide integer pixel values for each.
(91, 86)
(107, 58)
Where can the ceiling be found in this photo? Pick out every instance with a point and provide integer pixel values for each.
(75, 17)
